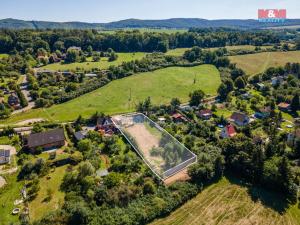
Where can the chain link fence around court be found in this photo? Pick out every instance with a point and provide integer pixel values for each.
(163, 153)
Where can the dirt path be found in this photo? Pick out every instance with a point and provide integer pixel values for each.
(181, 176)
(2, 182)
(26, 93)
(29, 121)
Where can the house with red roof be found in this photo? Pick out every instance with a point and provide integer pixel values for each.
(105, 126)
(228, 131)
(177, 118)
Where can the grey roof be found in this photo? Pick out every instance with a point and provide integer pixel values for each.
(47, 137)
(79, 135)
(4, 153)
(102, 173)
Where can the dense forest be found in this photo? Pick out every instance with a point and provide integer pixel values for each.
(30, 42)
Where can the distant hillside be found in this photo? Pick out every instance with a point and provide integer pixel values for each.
(22, 24)
(181, 23)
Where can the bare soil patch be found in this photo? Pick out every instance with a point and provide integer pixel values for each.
(30, 121)
(146, 141)
(181, 176)
(2, 182)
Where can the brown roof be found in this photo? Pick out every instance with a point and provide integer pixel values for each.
(205, 112)
(47, 137)
(284, 105)
(177, 115)
(237, 116)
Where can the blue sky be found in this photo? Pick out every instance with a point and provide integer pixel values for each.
(112, 10)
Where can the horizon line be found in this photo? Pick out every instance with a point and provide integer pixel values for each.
(74, 21)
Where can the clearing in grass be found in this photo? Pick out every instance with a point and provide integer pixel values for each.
(259, 62)
(229, 202)
(121, 96)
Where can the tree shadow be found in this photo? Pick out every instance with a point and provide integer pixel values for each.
(270, 199)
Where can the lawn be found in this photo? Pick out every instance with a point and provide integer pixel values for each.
(228, 202)
(103, 63)
(3, 56)
(4, 140)
(243, 47)
(40, 206)
(8, 194)
(259, 62)
(162, 85)
(177, 51)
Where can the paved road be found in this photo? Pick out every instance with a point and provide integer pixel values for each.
(25, 91)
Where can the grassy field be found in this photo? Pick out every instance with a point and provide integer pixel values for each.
(3, 56)
(8, 194)
(257, 63)
(103, 63)
(228, 202)
(180, 51)
(162, 85)
(176, 51)
(40, 206)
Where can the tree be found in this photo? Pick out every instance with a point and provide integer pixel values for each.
(59, 45)
(71, 87)
(37, 128)
(149, 187)
(239, 83)
(89, 50)
(222, 91)
(72, 56)
(112, 57)
(295, 104)
(225, 88)
(96, 57)
(237, 72)
(175, 102)
(298, 44)
(85, 145)
(196, 97)
(85, 169)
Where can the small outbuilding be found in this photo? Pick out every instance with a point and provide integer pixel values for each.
(283, 106)
(4, 156)
(13, 100)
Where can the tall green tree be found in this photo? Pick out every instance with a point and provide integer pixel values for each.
(196, 97)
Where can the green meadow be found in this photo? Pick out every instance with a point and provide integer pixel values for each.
(120, 96)
(259, 62)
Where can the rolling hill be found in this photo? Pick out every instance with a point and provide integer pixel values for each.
(173, 23)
